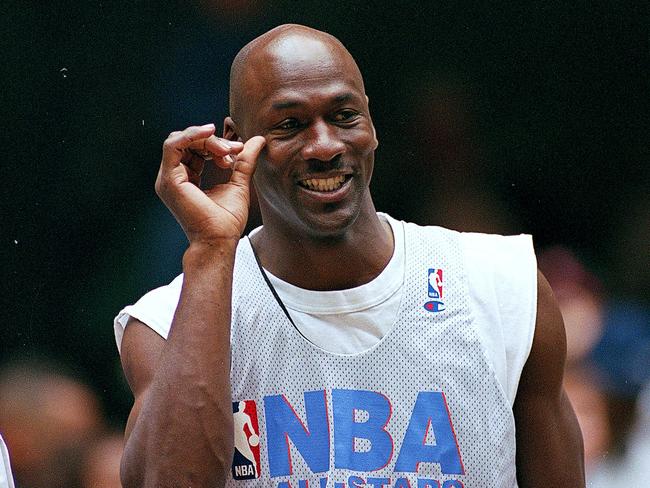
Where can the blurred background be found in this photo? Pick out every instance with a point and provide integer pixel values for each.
(531, 117)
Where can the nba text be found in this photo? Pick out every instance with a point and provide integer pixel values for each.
(361, 439)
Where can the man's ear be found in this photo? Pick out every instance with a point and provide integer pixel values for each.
(374, 132)
(374, 135)
(230, 130)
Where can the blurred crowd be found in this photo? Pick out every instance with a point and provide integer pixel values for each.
(55, 429)
(607, 375)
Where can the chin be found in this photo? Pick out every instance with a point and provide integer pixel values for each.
(332, 225)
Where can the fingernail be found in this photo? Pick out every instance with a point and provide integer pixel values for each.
(235, 143)
(228, 159)
(208, 126)
(230, 145)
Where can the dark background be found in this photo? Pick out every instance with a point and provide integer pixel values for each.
(521, 118)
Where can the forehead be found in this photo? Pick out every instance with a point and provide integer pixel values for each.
(300, 68)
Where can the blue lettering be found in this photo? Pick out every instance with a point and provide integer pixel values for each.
(356, 482)
(430, 410)
(453, 484)
(379, 482)
(402, 483)
(426, 483)
(311, 441)
(346, 430)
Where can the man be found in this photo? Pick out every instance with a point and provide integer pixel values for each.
(356, 365)
(6, 480)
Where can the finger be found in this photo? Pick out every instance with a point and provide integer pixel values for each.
(195, 166)
(215, 147)
(225, 162)
(246, 161)
(177, 142)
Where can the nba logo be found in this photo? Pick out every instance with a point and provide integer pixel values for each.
(246, 460)
(434, 287)
(435, 283)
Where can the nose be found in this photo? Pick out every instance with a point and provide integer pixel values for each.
(322, 142)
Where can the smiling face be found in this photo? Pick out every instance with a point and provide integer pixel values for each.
(305, 95)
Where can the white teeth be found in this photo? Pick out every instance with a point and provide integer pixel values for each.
(324, 184)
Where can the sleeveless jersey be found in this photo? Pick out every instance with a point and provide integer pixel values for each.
(421, 408)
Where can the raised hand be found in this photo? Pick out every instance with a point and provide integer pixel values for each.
(213, 214)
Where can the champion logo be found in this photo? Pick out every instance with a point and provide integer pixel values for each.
(435, 291)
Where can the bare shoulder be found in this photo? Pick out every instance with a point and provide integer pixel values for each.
(545, 365)
(140, 354)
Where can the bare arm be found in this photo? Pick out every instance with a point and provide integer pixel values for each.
(549, 442)
(180, 429)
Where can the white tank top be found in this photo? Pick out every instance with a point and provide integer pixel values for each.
(429, 403)
(353, 320)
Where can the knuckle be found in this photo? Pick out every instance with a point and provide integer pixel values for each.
(169, 143)
(191, 131)
(172, 137)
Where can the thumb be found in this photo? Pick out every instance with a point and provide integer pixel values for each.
(245, 162)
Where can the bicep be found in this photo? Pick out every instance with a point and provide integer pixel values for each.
(549, 442)
(140, 356)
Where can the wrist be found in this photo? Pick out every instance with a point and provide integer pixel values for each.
(208, 254)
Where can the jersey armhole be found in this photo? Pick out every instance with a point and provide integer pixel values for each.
(502, 281)
(155, 309)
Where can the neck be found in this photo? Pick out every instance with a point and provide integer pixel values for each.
(316, 263)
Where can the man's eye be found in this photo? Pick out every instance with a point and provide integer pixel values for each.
(288, 124)
(345, 116)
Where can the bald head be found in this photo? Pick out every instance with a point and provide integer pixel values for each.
(276, 52)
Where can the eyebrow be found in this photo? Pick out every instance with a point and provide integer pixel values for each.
(286, 104)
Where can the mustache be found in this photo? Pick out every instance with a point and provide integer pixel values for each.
(319, 166)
